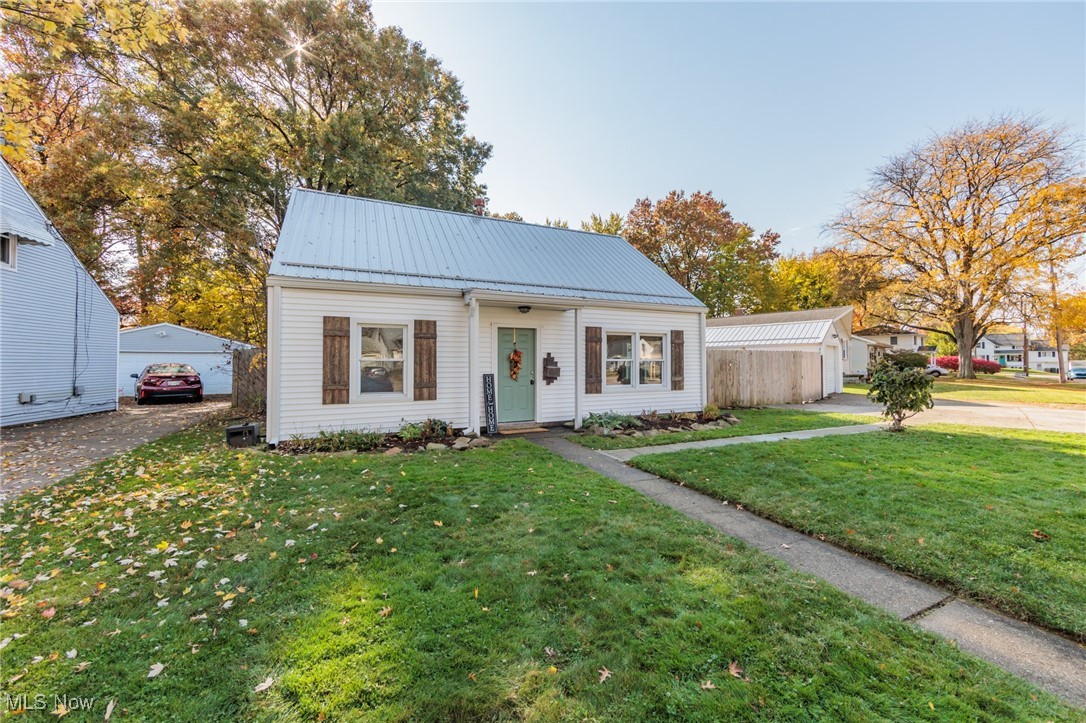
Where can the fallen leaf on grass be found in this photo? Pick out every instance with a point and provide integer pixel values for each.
(82, 666)
(265, 685)
(48, 613)
(1042, 536)
(109, 708)
(438, 523)
(61, 710)
(735, 670)
(385, 611)
(707, 685)
(155, 670)
(604, 674)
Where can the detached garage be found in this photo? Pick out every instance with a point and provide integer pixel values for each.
(208, 354)
(825, 331)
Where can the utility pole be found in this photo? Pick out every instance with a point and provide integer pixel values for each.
(1057, 331)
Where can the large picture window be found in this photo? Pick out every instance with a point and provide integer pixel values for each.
(619, 359)
(651, 359)
(382, 363)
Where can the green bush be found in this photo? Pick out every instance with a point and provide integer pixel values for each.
(902, 393)
(611, 420)
(905, 359)
(427, 428)
(344, 440)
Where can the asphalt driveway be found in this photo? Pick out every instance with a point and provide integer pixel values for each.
(36, 455)
(979, 414)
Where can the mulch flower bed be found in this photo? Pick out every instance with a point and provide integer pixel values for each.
(649, 425)
(388, 444)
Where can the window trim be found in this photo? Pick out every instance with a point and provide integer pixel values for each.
(13, 253)
(635, 379)
(663, 359)
(606, 358)
(357, 395)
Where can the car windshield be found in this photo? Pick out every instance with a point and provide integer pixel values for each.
(169, 369)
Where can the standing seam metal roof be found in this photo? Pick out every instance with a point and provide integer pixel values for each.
(346, 238)
(797, 332)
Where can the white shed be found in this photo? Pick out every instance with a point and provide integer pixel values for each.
(381, 313)
(826, 331)
(208, 354)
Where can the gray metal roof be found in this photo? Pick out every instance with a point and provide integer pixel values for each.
(832, 313)
(168, 337)
(20, 215)
(796, 332)
(347, 238)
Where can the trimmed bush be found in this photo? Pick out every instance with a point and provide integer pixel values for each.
(902, 393)
(611, 421)
(982, 366)
(904, 359)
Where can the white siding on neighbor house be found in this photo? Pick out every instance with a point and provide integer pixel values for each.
(297, 400)
(57, 330)
(301, 360)
(634, 400)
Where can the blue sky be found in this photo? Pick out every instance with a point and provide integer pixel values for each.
(781, 109)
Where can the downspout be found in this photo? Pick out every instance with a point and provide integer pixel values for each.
(272, 366)
(475, 381)
(704, 380)
(578, 369)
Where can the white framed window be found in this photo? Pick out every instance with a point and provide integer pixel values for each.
(618, 366)
(8, 247)
(893, 341)
(382, 359)
(650, 359)
(634, 359)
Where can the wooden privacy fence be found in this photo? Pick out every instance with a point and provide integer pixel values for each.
(250, 379)
(744, 378)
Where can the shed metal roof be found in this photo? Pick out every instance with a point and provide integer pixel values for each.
(796, 332)
(346, 238)
(173, 337)
(831, 313)
(20, 215)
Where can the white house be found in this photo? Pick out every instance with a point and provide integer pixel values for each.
(1006, 349)
(381, 313)
(211, 356)
(826, 331)
(893, 337)
(58, 330)
(863, 355)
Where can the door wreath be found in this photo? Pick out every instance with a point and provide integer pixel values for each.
(514, 363)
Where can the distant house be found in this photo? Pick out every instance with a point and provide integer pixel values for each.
(1006, 349)
(826, 331)
(893, 337)
(381, 313)
(58, 330)
(863, 354)
(211, 356)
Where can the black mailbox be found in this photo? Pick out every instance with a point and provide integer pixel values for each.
(243, 435)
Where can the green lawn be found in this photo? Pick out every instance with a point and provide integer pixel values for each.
(1042, 389)
(955, 505)
(496, 584)
(752, 421)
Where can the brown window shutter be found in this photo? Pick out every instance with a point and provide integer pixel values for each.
(425, 360)
(337, 359)
(678, 361)
(593, 360)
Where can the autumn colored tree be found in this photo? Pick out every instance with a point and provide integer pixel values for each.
(199, 139)
(556, 222)
(698, 243)
(956, 219)
(613, 225)
(804, 281)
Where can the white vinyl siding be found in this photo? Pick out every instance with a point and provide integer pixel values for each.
(297, 353)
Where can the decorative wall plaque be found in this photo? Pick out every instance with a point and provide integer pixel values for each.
(551, 372)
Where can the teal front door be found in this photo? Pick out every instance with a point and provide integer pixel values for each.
(516, 397)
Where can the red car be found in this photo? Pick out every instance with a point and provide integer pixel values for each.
(168, 380)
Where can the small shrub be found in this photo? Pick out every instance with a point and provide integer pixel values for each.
(902, 393)
(710, 412)
(982, 366)
(410, 431)
(344, 440)
(905, 359)
(425, 429)
(611, 420)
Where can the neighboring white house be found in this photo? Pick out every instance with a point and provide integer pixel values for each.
(1006, 349)
(825, 331)
(211, 356)
(862, 355)
(58, 330)
(381, 313)
(893, 337)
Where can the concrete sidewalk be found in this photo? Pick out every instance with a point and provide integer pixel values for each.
(625, 455)
(1046, 660)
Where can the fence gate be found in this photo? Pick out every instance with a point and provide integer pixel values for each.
(249, 388)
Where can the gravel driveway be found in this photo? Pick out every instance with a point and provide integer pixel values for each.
(35, 455)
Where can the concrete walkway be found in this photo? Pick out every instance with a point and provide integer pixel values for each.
(625, 455)
(1046, 660)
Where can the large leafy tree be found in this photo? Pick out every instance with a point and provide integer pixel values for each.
(612, 225)
(956, 219)
(187, 148)
(698, 243)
